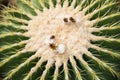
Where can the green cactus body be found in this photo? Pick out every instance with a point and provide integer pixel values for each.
(60, 40)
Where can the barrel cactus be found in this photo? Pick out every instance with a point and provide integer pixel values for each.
(60, 40)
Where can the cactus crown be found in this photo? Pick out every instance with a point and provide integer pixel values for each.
(60, 40)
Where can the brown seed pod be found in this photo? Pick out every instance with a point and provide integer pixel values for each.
(52, 46)
(72, 19)
(52, 37)
(65, 20)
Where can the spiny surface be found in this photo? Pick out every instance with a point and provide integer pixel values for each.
(65, 39)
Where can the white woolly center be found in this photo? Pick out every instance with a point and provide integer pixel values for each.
(69, 29)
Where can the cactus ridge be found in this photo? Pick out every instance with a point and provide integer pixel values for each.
(60, 40)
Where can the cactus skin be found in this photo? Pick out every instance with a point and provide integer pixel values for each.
(88, 29)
